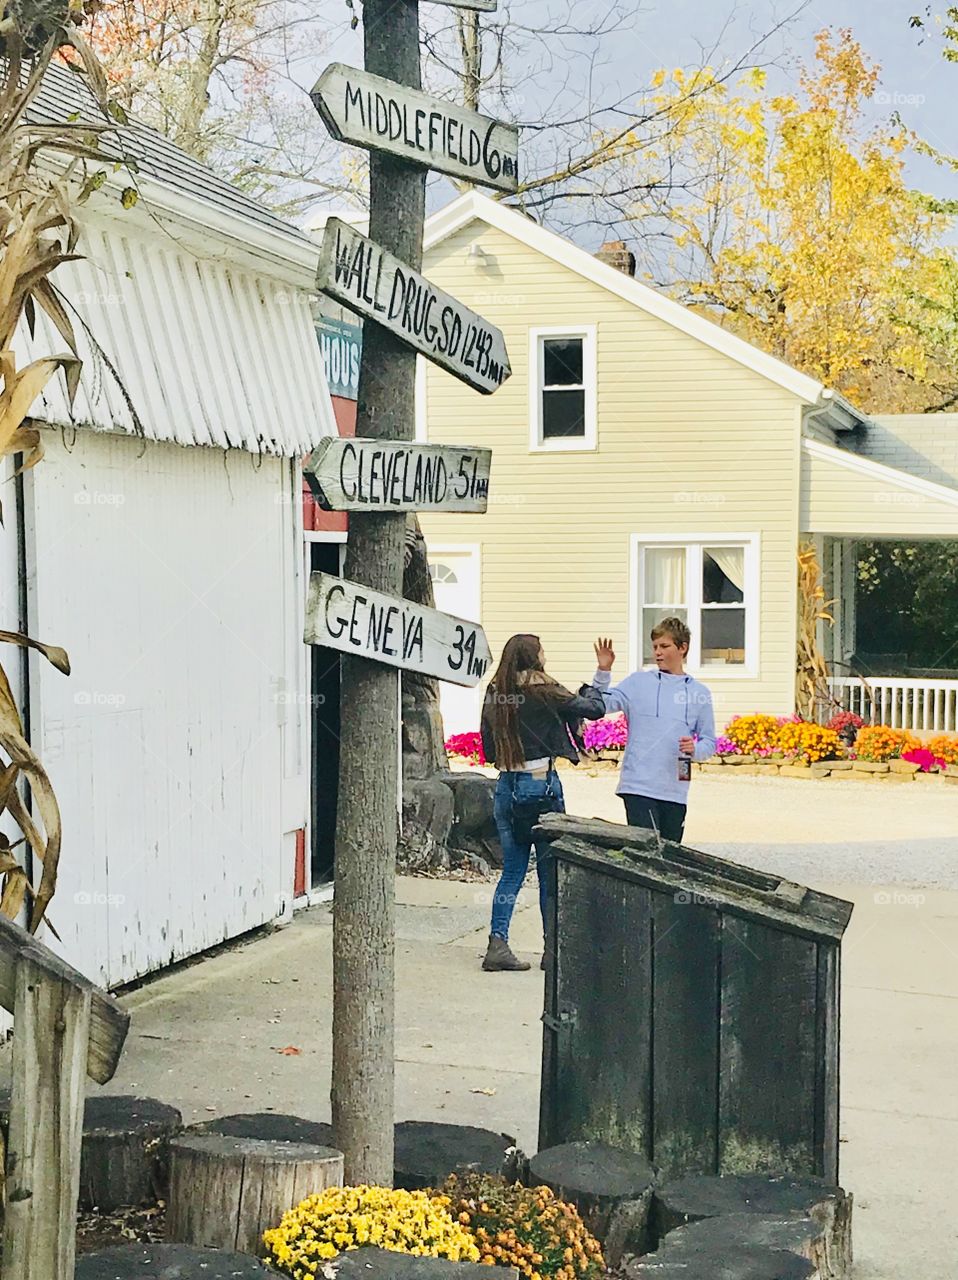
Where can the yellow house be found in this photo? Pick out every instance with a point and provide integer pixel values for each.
(648, 462)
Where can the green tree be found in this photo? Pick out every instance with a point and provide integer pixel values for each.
(908, 602)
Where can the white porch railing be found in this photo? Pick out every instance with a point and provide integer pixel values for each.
(924, 706)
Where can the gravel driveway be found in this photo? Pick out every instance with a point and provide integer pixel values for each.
(818, 833)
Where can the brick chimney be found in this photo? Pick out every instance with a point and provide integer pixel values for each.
(615, 253)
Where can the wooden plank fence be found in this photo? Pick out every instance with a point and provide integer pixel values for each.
(65, 1029)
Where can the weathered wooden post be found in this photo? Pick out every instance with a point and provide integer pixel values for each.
(383, 109)
(65, 1028)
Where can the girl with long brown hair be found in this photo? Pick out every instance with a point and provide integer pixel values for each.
(529, 720)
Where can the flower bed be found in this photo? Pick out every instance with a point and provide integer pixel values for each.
(466, 746)
(471, 1218)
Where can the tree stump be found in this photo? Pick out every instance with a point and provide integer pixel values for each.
(124, 1158)
(225, 1192)
(695, 1197)
(427, 1153)
(269, 1126)
(802, 1236)
(378, 1264)
(611, 1188)
(168, 1262)
(710, 1264)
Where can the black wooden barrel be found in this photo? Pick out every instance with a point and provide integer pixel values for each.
(691, 1007)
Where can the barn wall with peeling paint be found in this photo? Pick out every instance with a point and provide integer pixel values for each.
(160, 570)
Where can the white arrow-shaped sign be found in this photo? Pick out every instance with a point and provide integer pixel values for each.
(351, 618)
(364, 277)
(398, 475)
(378, 114)
(486, 6)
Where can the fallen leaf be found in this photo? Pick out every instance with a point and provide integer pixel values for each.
(488, 1092)
(290, 1051)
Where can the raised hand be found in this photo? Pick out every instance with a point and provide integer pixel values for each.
(604, 654)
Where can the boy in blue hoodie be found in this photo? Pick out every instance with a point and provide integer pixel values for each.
(670, 722)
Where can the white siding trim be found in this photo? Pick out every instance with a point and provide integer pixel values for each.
(590, 379)
(474, 205)
(752, 542)
(878, 471)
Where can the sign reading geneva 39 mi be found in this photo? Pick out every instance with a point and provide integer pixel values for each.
(396, 475)
(358, 273)
(352, 618)
(377, 114)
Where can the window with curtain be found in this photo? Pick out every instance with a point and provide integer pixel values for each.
(706, 585)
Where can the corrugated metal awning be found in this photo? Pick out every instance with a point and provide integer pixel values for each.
(184, 348)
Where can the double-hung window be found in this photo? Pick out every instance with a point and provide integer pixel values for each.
(711, 583)
(562, 388)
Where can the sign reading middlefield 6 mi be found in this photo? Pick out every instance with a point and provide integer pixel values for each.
(372, 112)
(364, 277)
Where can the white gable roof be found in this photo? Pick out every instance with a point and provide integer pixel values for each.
(474, 205)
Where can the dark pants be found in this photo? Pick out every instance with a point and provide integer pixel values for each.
(665, 816)
(520, 799)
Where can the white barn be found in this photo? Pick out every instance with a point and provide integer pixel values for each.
(161, 539)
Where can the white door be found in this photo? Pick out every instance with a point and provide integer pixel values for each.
(456, 580)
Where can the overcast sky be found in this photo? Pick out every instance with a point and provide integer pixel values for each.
(917, 82)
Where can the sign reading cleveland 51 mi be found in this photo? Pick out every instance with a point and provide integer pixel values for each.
(397, 475)
(351, 618)
(377, 114)
(358, 273)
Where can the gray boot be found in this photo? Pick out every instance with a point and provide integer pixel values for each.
(499, 957)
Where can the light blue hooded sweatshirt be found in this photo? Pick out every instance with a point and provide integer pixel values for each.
(660, 708)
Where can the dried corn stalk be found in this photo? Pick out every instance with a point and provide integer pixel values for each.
(811, 687)
(38, 232)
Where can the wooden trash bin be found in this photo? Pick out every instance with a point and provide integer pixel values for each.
(691, 1006)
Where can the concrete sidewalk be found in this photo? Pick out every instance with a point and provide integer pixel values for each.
(207, 1038)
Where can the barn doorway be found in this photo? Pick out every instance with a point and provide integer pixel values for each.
(324, 557)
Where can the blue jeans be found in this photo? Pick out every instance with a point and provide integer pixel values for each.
(520, 798)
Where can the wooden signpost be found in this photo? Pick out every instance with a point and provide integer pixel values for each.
(64, 1030)
(406, 132)
(378, 114)
(396, 475)
(377, 286)
(352, 618)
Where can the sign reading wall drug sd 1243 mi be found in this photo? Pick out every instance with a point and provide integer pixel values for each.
(378, 286)
(398, 475)
(351, 618)
(372, 112)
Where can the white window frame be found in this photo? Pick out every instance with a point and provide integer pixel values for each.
(563, 444)
(694, 543)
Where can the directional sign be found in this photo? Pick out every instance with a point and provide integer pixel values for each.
(397, 475)
(364, 277)
(487, 6)
(349, 617)
(378, 114)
